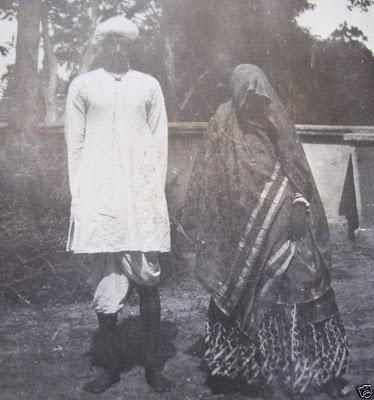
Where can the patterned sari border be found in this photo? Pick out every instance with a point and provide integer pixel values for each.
(228, 299)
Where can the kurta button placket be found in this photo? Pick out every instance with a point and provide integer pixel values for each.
(114, 130)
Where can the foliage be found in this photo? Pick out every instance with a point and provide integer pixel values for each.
(363, 4)
(208, 38)
(8, 9)
(348, 34)
(71, 21)
(350, 82)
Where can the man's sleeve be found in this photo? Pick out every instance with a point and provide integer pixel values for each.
(158, 124)
(75, 125)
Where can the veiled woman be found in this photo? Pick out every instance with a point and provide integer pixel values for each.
(262, 247)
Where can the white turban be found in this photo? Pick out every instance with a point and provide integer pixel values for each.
(118, 25)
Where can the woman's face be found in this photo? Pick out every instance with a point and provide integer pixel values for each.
(254, 108)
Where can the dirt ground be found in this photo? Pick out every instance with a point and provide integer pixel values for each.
(43, 352)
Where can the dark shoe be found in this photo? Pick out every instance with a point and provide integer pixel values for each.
(150, 316)
(109, 357)
(101, 383)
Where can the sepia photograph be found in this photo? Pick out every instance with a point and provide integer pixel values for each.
(186, 199)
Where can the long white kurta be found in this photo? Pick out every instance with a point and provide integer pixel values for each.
(116, 134)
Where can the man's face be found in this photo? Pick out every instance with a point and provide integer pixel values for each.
(116, 50)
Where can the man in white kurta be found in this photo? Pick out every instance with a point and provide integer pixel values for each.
(116, 133)
(117, 140)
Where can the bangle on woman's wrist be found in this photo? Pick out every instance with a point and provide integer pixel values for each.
(299, 198)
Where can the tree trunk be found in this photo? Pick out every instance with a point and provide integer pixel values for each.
(21, 170)
(90, 52)
(24, 88)
(171, 78)
(50, 67)
(168, 35)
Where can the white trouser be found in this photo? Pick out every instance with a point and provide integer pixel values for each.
(113, 274)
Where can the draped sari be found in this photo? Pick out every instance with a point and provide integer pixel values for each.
(273, 313)
(238, 209)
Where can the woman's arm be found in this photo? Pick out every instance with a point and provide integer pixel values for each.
(299, 218)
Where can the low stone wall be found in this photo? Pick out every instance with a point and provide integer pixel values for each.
(327, 152)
